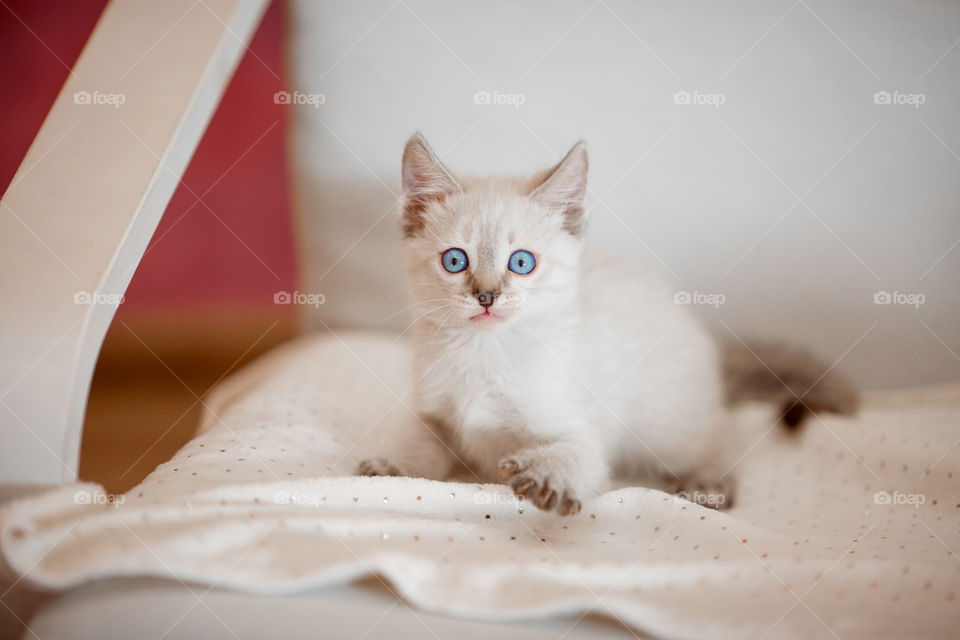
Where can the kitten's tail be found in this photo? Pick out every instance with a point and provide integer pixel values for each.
(789, 377)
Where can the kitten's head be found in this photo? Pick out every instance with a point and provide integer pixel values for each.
(482, 253)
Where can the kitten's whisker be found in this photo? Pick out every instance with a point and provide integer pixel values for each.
(449, 290)
(441, 324)
(404, 310)
(428, 283)
(428, 311)
(411, 285)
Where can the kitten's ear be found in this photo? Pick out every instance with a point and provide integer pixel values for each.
(563, 188)
(425, 180)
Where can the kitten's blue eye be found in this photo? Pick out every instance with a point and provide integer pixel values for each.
(522, 262)
(454, 260)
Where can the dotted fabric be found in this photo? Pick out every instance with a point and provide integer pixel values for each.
(849, 529)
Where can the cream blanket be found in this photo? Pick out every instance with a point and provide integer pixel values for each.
(852, 529)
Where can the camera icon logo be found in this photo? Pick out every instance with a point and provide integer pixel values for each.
(482, 97)
(82, 297)
(282, 97)
(882, 97)
(282, 297)
(882, 497)
(486, 298)
(82, 97)
(681, 97)
(682, 297)
(882, 297)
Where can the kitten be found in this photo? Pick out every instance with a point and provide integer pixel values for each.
(552, 369)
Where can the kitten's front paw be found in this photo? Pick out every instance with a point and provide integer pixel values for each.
(534, 481)
(377, 467)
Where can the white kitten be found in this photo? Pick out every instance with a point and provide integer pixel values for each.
(546, 368)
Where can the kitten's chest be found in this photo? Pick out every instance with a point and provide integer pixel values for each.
(485, 387)
(474, 387)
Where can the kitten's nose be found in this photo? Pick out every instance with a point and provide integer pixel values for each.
(486, 298)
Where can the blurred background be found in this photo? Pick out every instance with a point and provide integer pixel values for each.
(201, 302)
(791, 168)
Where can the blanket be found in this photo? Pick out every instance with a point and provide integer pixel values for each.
(849, 528)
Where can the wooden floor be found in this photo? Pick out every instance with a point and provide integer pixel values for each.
(144, 405)
(152, 373)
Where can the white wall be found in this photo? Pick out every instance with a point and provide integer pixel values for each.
(797, 199)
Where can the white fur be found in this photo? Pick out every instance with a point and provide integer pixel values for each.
(592, 371)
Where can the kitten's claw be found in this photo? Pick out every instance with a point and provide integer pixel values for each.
(547, 499)
(530, 483)
(569, 506)
(377, 467)
(522, 486)
(508, 468)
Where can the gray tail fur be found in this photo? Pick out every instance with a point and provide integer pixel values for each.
(791, 378)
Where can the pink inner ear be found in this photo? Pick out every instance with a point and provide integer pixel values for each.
(409, 178)
(425, 180)
(413, 210)
(564, 189)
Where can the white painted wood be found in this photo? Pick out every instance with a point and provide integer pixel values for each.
(77, 217)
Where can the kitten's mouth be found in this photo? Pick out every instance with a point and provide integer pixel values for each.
(485, 317)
